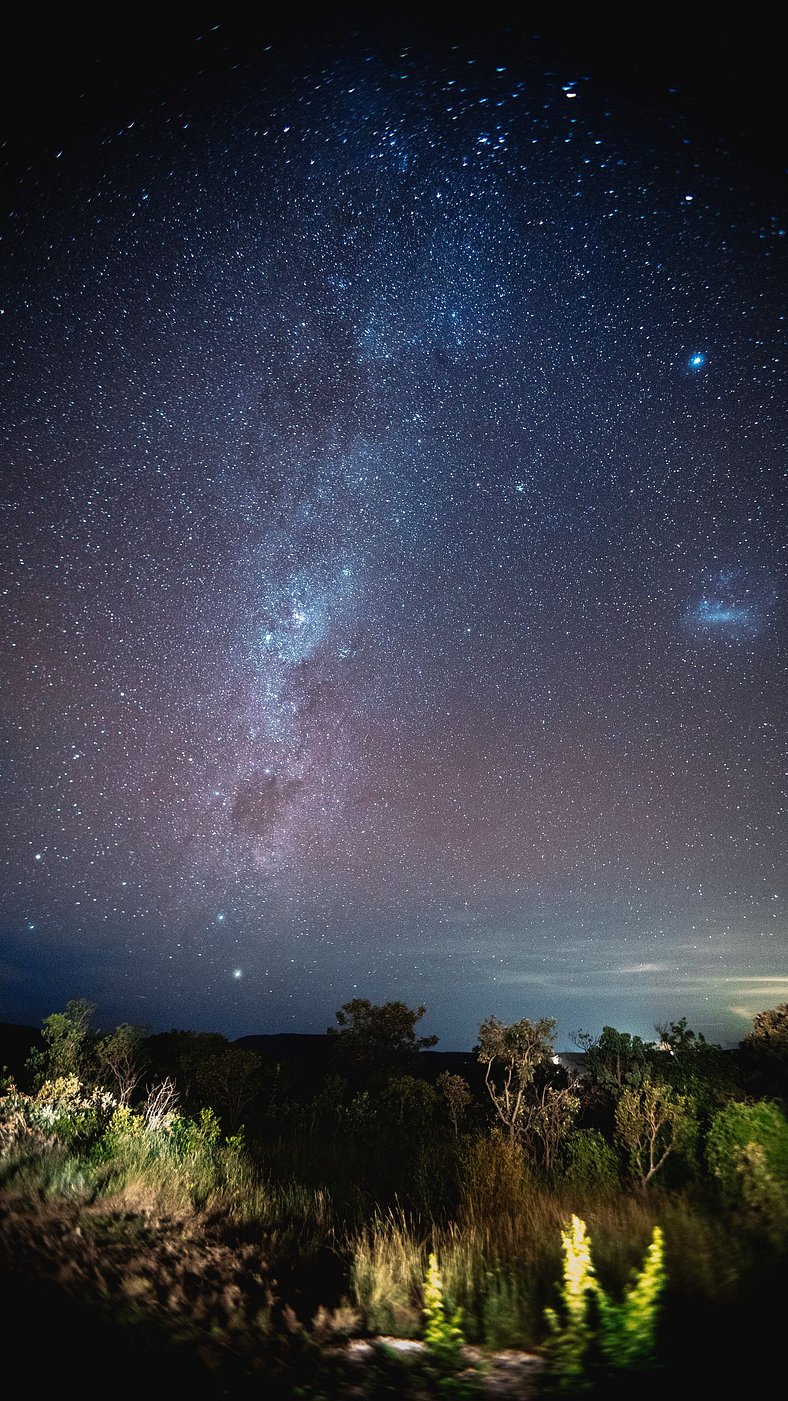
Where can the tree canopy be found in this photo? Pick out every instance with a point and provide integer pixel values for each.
(512, 1055)
(378, 1038)
(764, 1051)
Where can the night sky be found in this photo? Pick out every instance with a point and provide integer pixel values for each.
(394, 527)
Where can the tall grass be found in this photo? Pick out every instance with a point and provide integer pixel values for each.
(388, 1261)
(500, 1258)
(496, 1236)
(49, 1170)
(493, 1256)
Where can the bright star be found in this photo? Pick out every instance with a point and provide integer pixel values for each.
(697, 360)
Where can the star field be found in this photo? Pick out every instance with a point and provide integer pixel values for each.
(395, 529)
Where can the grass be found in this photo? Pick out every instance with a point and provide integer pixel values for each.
(388, 1263)
(330, 1260)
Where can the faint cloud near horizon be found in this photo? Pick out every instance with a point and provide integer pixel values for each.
(643, 968)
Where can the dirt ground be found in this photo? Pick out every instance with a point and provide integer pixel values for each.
(127, 1302)
(136, 1303)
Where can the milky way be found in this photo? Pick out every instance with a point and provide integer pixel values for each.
(394, 469)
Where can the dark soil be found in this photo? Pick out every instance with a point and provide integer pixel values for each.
(154, 1306)
(125, 1303)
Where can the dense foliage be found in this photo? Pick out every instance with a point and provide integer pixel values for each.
(390, 1196)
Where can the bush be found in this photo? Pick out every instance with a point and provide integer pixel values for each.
(443, 1339)
(591, 1164)
(63, 1110)
(494, 1178)
(747, 1152)
(595, 1332)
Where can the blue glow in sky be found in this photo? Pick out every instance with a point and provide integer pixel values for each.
(735, 605)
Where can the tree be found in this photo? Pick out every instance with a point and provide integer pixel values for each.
(228, 1081)
(764, 1051)
(652, 1121)
(548, 1115)
(692, 1065)
(181, 1056)
(67, 1043)
(409, 1100)
(122, 1060)
(615, 1059)
(770, 1031)
(377, 1041)
(512, 1055)
(457, 1093)
(679, 1039)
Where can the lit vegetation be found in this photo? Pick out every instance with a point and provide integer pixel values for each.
(368, 1199)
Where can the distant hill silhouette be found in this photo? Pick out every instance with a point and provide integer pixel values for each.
(319, 1050)
(307, 1051)
(288, 1045)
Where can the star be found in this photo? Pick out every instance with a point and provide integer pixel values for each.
(381, 589)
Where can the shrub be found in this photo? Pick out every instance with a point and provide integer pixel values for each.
(747, 1152)
(596, 1332)
(591, 1163)
(570, 1338)
(63, 1110)
(442, 1332)
(494, 1178)
(628, 1335)
(443, 1338)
